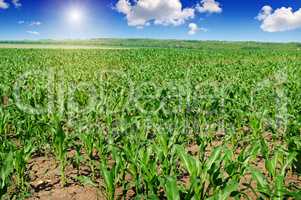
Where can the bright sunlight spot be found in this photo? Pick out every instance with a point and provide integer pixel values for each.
(75, 16)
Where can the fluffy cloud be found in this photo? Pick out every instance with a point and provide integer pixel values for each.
(264, 13)
(209, 6)
(3, 4)
(16, 3)
(282, 19)
(35, 23)
(30, 23)
(162, 12)
(123, 6)
(33, 32)
(194, 28)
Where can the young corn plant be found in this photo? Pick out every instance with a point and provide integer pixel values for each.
(60, 150)
(78, 158)
(276, 166)
(109, 181)
(171, 188)
(294, 145)
(89, 143)
(196, 177)
(6, 171)
(3, 123)
(148, 169)
(101, 146)
(111, 174)
(164, 146)
(21, 158)
(131, 148)
(205, 179)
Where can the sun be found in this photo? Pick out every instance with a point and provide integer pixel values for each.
(75, 16)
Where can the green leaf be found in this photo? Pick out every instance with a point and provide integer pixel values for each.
(225, 193)
(171, 188)
(215, 156)
(189, 162)
(279, 187)
(262, 183)
(108, 177)
(84, 180)
(290, 159)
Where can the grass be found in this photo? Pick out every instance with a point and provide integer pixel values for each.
(200, 120)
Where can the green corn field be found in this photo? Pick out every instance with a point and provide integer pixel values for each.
(186, 120)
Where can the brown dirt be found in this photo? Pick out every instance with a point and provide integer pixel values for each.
(5, 101)
(45, 182)
(44, 179)
(74, 192)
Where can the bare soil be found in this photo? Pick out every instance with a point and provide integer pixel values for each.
(45, 182)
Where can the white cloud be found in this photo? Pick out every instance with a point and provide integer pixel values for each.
(162, 12)
(194, 28)
(209, 6)
(265, 12)
(123, 6)
(3, 4)
(30, 23)
(282, 19)
(35, 23)
(16, 3)
(33, 32)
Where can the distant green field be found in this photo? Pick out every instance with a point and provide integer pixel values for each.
(54, 46)
(152, 43)
(175, 120)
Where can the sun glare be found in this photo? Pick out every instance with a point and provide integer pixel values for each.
(75, 16)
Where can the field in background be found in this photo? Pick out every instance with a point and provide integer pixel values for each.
(168, 120)
(54, 46)
(151, 43)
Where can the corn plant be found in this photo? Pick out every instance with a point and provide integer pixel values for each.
(21, 158)
(172, 191)
(294, 146)
(60, 150)
(276, 167)
(78, 158)
(109, 181)
(6, 171)
(89, 143)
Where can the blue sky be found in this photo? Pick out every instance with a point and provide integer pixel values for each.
(195, 19)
